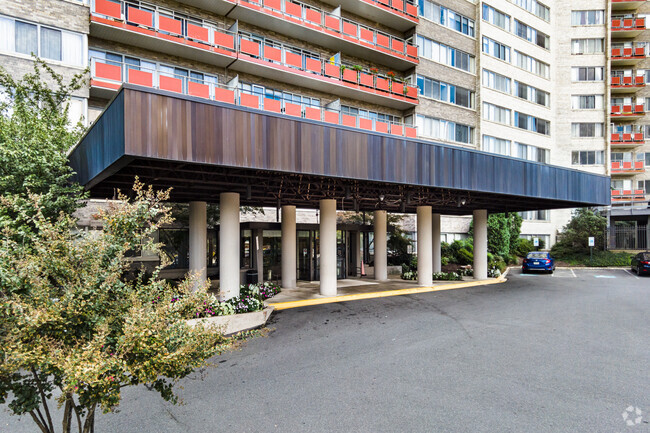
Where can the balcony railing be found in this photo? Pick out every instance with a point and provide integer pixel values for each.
(624, 83)
(627, 167)
(110, 75)
(628, 55)
(623, 111)
(626, 195)
(213, 39)
(631, 139)
(626, 24)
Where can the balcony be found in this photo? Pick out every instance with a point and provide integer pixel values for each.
(627, 195)
(628, 56)
(627, 112)
(623, 27)
(107, 77)
(400, 15)
(625, 140)
(627, 167)
(212, 44)
(626, 5)
(627, 84)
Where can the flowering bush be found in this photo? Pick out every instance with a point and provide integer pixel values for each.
(410, 275)
(251, 298)
(447, 276)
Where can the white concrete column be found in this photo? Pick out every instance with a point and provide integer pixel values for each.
(328, 247)
(425, 263)
(480, 244)
(381, 248)
(198, 241)
(229, 238)
(435, 234)
(289, 247)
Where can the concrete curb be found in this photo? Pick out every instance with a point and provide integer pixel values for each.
(236, 322)
(398, 292)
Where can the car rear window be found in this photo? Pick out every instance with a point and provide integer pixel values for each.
(645, 256)
(536, 256)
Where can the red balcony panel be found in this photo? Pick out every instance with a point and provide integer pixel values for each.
(365, 123)
(347, 120)
(332, 23)
(367, 35)
(350, 29)
(332, 70)
(616, 192)
(397, 45)
(616, 24)
(313, 65)
(293, 9)
(627, 52)
(411, 10)
(396, 129)
(616, 81)
(627, 192)
(141, 78)
(108, 8)
(616, 137)
(639, 81)
(381, 126)
(382, 84)
(313, 15)
(224, 95)
(616, 109)
(627, 165)
(292, 109)
(248, 100)
(272, 105)
(331, 117)
(639, 108)
(293, 59)
(638, 165)
(272, 53)
(384, 2)
(627, 80)
(412, 51)
(312, 113)
(109, 72)
(616, 165)
(198, 89)
(170, 83)
(627, 22)
(350, 75)
(383, 40)
(638, 137)
(249, 47)
(169, 25)
(410, 132)
(398, 4)
(198, 33)
(139, 16)
(412, 92)
(640, 23)
(397, 88)
(273, 4)
(616, 52)
(366, 79)
(627, 137)
(638, 192)
(639, 51)
(227, 40)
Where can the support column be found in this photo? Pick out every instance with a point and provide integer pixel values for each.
(289, 247)
(198, 242)
(381, 249)
(425, 248)
(435, 233)
(480, 244)
(229, 238)
(328, 247)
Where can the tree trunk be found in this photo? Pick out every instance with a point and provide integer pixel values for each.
(67, 414)
(89, 424)
(40, 424)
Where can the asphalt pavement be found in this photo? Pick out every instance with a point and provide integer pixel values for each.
(567, 352)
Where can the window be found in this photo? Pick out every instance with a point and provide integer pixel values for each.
(366, 114)
(496, 17)
(446, 17)
(531, 64)
(584, 130)
(445, 92)
(77, 110)
(587, 102)
(26, 42)
(532, 94)
(444, 129)
(531, 153)
(587, 46)
(532, 123)
(532, 35)
(496, 81)
(587, 18)
(496, 49)
(587, 157)
(535, 215)
(496, 145)
(587, 73)
(497, 114)
(533, 6)
(443, 54)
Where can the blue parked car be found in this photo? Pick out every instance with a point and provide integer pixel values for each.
(641, 263)
(538, 261)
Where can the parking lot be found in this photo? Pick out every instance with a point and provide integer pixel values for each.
(579, 273)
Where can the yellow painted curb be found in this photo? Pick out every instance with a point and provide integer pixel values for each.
(384, 294)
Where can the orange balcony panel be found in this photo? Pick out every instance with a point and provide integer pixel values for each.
(381, 126)
(626, 23)
(638, 192)
(292, 109)
(108, 8)
(638, 137)
(616, 81)
(616, 24)
(639, 51)
(366, 79)
(224, 95)
(367, 35)
(331, 117)
(616, 192)
(382, 84)
(412, 50)
(348, 120)
(397, 88)
(169, 25)
(312, 113)
(141, 78)
(627, 192)
(616, 137)
(616, 52)
(383, 40)
(198, 33)
(410, 132)
(627, 51)
(332, 70)
(313, 15)
(248, 100)
(109, 72)
(384, 2)
(397, 45)
(412, 92)
(365, 123)
(249, 47)
(272, 105)
(350, 75)
(293, 59)
(639, 108)
(293, 9)
(627, 165)
(139, 16)
(616, 109)
(627, 80)
(350, 29)
(396, 129)
(638, 165)
(640, 23)
(627, 137)
(412, 10)
(170, 83)
(639, 81)
(228, 41)
(272, 53)
(616, 165)
(332, 23)
(313, 65)
(273, 4)
(198, 89)
(398, 4)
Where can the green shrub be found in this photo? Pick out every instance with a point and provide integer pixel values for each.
(444, 261)
(600, 259)
(464, 257)
(446, 276)
(524, 246)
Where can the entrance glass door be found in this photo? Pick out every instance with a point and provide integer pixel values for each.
(304, 255)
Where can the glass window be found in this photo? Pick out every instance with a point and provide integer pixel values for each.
(444, 129)
(26, 42)
(496, 81)
(496, 17)
(50, 43)
(587, 18)
(582, 130)
(496, 49)
(445, 92)
(441, 53)
(446, 17)
(587, 46)
(588, 157)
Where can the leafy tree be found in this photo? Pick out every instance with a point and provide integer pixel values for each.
(574, 238)
(503, 233)
(35, 135)
(72, 328)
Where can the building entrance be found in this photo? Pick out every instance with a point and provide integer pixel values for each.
(309, 255)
